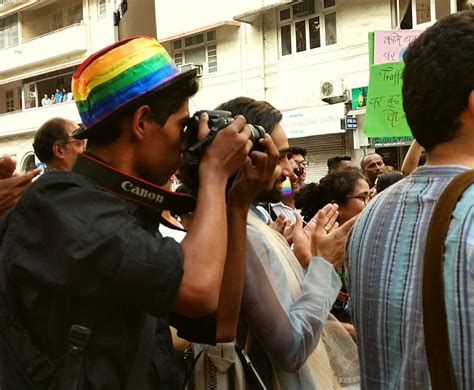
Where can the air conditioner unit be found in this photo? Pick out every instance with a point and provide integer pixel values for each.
(331, 89)
(189, 66)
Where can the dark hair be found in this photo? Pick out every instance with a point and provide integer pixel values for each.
(333, 162)
(256, 112)
(298, 150)
(385, 180)
(335, 187)
(163, 104)
(438, 78)
(51, 132)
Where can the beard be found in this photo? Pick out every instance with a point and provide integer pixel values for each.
(271, 196)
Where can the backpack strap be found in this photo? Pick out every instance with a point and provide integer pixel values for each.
(434, 307)
(78, 339)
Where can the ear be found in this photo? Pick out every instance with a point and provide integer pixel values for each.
(470, 103)
(58, 151)
(140, 122)
(340, 208)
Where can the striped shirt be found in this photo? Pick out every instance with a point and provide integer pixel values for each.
(384, 255)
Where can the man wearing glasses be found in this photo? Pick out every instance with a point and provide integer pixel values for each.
(299, 157)
(54, 146)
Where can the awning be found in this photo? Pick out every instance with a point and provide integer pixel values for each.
(250, 16)
(230, 23)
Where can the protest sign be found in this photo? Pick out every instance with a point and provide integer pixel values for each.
(389, 46)
(384, 113)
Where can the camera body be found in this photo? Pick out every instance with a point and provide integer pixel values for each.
(189, 170)
(217, 121)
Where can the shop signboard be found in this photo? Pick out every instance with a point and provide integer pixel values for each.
(308, 121)
(382, 142)
(351, 122)
(359, 97)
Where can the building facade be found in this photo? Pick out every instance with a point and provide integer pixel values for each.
(304, 57)
(41, 43)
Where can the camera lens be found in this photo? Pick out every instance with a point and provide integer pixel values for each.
(257, 132)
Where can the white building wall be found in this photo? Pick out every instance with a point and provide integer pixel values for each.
(250, 63)
(180, 16)
(17, 128)
(249, 58)
(294, 80)
(240, 57)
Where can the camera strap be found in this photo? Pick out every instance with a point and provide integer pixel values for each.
(132, 188)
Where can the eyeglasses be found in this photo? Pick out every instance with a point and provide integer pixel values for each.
(81, 142)
(302, 163)
(364, 197)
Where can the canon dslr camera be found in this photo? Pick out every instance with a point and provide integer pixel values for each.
(217, 121)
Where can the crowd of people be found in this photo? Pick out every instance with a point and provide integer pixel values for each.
(246, 276)
(61, 95)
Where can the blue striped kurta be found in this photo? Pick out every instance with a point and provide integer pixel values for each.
(384, 255)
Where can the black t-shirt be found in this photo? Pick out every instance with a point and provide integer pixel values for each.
(75, 253)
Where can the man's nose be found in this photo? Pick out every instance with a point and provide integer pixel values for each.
(287, 170)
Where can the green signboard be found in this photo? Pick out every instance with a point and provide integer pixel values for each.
(384, 113)
(359, 97)
(379, 142)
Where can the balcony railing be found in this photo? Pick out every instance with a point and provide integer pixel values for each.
(19, 122)
(45, 48)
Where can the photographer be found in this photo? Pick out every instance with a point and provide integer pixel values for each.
(81, 256)
(287, 296)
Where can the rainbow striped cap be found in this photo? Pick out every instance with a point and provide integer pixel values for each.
(119, 74)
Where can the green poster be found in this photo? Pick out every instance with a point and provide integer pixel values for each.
(371, 48)
(384, 115)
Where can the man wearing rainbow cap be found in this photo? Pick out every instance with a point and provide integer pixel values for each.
(97, 287)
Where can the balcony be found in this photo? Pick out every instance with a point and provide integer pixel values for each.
(44, 49)
(11, 6)
(19, 122)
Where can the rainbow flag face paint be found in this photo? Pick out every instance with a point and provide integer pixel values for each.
(286, 188)
(119, 74)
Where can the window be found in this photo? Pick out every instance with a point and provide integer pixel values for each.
(57, 20)
(9, 101)
(463, 5)
(307, 25)
(9, 31)
(413, 13)
(102, 9)
(212, 58)
(29, 91)
(74, 14)
(199, 49)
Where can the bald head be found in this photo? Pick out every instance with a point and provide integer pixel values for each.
(54, 146)
(372, 165)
